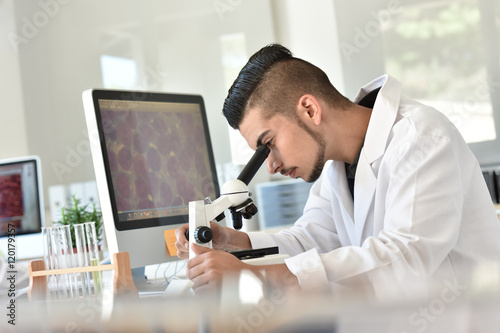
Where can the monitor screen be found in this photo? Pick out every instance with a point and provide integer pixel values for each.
(157, 159)
(152, 155)
(20, 196)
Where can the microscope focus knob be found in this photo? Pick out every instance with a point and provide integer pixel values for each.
(203, 235)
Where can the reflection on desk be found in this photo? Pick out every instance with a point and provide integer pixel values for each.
(452, 308)
(275, 314)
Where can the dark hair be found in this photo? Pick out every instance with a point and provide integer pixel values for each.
(274, 80)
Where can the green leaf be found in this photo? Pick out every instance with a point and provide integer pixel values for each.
(76, 213)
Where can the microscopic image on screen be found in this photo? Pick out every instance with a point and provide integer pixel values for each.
(157, 155)
(11, 196)
(11, 201)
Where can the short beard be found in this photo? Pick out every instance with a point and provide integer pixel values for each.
(320, 157)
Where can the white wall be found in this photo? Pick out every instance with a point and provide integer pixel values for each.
(174, 43)
(13, 136)
(309, 30)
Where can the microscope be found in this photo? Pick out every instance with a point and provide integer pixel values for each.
(235, 196)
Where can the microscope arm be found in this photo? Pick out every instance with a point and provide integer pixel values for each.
(234, 195)
(217, 207)
(201, 213)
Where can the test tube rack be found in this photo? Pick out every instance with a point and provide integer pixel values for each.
(123, 282)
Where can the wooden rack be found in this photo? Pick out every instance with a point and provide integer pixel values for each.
(123, 282)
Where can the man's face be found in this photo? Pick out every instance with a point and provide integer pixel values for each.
(296, 150)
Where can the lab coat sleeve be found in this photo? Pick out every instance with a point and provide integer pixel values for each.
(259, 240)
(315, 229)
(421, 178)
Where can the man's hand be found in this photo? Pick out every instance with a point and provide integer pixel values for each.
(208, 268)
(219, 240)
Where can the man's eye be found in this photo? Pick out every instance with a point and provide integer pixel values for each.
(268, 143)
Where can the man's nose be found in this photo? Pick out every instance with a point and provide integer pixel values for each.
(273, 165)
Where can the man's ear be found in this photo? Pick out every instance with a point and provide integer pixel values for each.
(309, 109)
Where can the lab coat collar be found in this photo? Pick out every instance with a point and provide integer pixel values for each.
(383, 115)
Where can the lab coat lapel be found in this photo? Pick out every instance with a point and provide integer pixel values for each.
(381, 121)
(339, 183)
(364, 192)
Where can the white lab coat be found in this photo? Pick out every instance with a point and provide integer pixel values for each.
(421, 208)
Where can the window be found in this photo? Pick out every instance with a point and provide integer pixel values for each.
(118, 73)
(445, 53)
(234, 57)
(437, 50)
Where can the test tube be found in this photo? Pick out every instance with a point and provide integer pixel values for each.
(94, 255)
(47, 257)
(66, 261)
(71, 260)
(82, 258)
(58, 261)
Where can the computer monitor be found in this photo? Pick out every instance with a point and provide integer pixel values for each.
(22, 211)
(152, 154)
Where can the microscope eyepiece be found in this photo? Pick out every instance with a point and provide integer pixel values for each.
(254, 164)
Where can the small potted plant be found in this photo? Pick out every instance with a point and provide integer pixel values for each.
(77, 213)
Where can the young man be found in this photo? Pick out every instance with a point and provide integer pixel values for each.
(401, 203)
